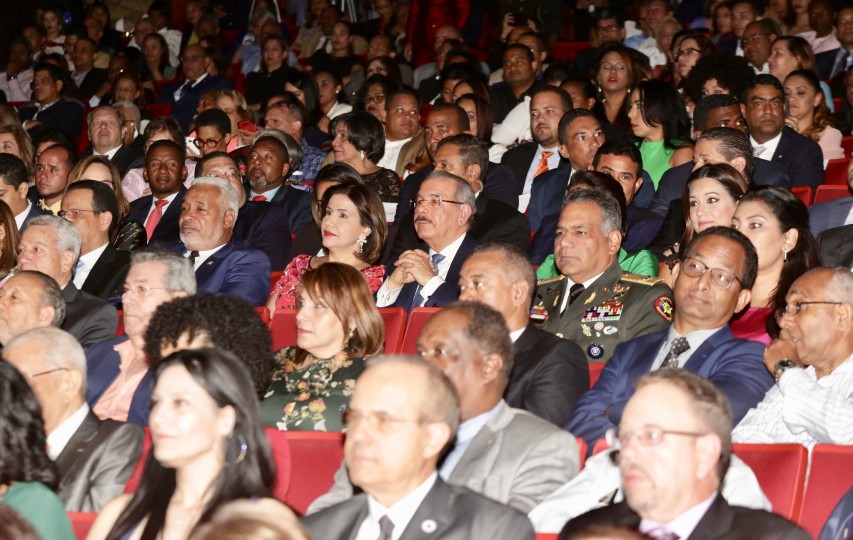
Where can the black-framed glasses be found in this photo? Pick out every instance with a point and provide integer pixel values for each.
(720, 278)
(376, 100)
(432, 202)
(75, 213)
(48, 372)
(689, 50)
(792, 309)
(646, 436)
(207, 143)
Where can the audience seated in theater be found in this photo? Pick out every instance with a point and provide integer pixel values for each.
(793, 53)
(616, 74)
(405, 461)
(359, 141)
(405, 151)
(776, 222)
(134, 184)
(204, 400)
(467, 157)
(338, 326)
(100, 270)
(428, 276)
(291, 116)
(267, 168)
(549, 374)
(763, 108)
(304, 87)
(13, 181)
(208, 214)
(833, 214)
(94, 459)
(812, 400)
(106, 127)
(53, 164)
(212, 132)
(260, 226)
(757, 38)
(593, 302)
(808, 114)
(676, 436)
(712, 283)
(119, 380)
(519, 80)
(245, 519)
(30, 477)
(50, 109)
(353, 231)
(8, 242)
(709, 200)
(233, 104)
(51, 245)
(29, 300)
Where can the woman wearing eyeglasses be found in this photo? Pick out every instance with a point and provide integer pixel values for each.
(337, 326)
(777, 223)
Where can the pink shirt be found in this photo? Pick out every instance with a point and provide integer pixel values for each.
(115, 401)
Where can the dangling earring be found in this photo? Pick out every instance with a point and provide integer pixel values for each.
(351, 339)
(362, 239)
(362, 155)
(784, 255)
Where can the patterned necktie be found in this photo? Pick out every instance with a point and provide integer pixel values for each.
(155, 217)
(678, 347)
(662, 533)
(386, 528)
(418, 300)
(575, 291)
(543, 164)
(259, 198)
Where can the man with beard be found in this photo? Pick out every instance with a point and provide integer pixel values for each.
(267, 170)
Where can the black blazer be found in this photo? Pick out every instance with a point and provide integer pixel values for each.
(184, 110)
(836, 249)
(167, 234)
(106, 278)
(721, 521)
(35, 211)
(92, 82)
(549, 375)
(88, 318)
(309, 240)
(264, 227)
(803, 158)
(296, 203)
(518, 160)
(446, 293)
(64, 114)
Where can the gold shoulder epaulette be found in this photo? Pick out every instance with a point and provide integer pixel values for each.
(642, 280)
(550, 280)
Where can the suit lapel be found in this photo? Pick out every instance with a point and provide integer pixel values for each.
(716, 522)
(212, 263)
(99, 272)
(433, 516)
(484, 448)
(78, 443)
(698, 358)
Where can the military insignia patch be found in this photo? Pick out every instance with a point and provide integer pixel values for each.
(595, 351)
(607, 311)
(586, 331)
(663, 306)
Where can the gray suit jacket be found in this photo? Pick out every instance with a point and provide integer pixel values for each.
(97, 462)
(447, 512)
(517, 459)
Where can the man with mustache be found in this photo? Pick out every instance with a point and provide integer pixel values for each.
(712, 283)
(404, 141)
(207, 221)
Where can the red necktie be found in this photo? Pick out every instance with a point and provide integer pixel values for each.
(155, 217)
(543, 163)
(259, 198)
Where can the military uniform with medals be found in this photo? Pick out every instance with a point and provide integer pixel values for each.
(616, 307)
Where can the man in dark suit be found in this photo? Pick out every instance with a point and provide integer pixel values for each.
(674, 442)
(764, 111)
(467, 157)
(268, 168)
(835, 246)
(184, 95)
(14, 189)
(106, 127)
(91, 206)
(529, 160)
(831, 214)
(51, 245)
(834, 65)
(95, 459)
(207, 219)
(165, 172)
(50, 109)
(716, 274)
(549, 374)
(86, 76)
(428, 276)
(392, 464)
(261, 226)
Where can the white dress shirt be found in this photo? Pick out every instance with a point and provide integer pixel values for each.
(268, 194)
(20, 218)
(553, 163)
(58, 439)
(88, 260)
(203, 256)
(769, 147)
(392, 152)
(400, 513)
(109, 154)
(386, 296)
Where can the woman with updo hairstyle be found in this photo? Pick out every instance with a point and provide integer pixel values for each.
(777, 223)
(208, 448)
(359, 141)
(808, 114)
(28, 477)
(338, 326)
(481, 116)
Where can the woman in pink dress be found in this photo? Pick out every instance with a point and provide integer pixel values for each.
(354, 230)
(777, 223)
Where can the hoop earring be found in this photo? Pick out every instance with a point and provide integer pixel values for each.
(244, 447)
(362, 239)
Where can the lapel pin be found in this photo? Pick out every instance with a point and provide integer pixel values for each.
(428, 526)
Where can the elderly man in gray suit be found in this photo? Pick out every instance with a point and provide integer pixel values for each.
(402, 415)
(95, 459)
(506, 454)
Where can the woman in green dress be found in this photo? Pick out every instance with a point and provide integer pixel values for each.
(337, 326)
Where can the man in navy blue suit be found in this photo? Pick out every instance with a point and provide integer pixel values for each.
(713, 282)
(184, 95)
(207, 219)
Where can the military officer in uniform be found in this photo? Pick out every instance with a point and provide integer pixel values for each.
(594, 303)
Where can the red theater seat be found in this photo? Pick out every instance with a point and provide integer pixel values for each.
(81, 522)
(315, 457)
(283, 328)
(417, 319)
(830, 476)
(830, 193)
(395, 328)
(805, 193)
(836, 172)
(781, 471)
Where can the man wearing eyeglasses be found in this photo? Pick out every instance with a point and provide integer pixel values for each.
(812, 361)
(712, 283)
(100, 271)
(756, 41)
(106, 133)
(674, 449)
(184, 95)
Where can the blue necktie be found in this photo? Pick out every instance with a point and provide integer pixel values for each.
(418, 299)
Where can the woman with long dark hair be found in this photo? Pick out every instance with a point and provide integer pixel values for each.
(208, 448)
(808, 114)
(304, 87)
(615, 76)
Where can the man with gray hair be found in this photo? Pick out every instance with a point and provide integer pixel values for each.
(429, 275)
(593, 302)
(208, 214)
(51, 245)
(95, 459)
(106, 133)
(812, 361)
(119, 385)
(29, 300)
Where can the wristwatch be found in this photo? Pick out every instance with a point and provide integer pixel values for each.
(782, 365)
